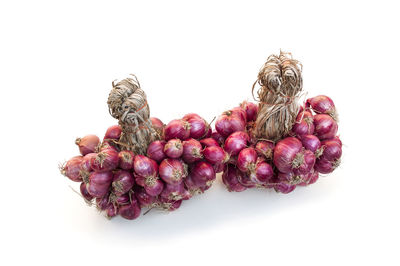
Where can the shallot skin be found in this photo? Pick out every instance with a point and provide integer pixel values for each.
(87, 144)
(285, 152)
(72, 168)
(325, 126)
(230, 179)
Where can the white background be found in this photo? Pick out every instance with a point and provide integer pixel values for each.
(57, 61)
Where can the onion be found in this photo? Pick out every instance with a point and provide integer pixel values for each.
(113, 132)
(230, 179)
(245, 180)
(304, 124)
(86, 166)
(111, 211)
(262, 173)
(215, 155)
(218, 168)
(122, 182)
(332, 150)
(172, 171)
(174, 192)
(314, 177)
(251, 110)
(87, 144)
(191, 151)
(99, 183)
(306, 161)
(265, 148)
(144, 199)
(103, 203)
(209, 142)
(72, 168)
(170, 205)
(173, 148)
(120, 200)
(177, 129)
(311, 143)
(246, 161)
(126, 160)
(198, 126)
(324, 166)
(322, 105)
(230, 122)
(284, 187)
(106, 160)
(240, 112)
(139, 179)
(218, 137)
(308, 178)
(130, 211)
(108, 144)
(157, 123)
(203, 172)
(209, 132)
(85, 193)
(236, 142)
(153, 187)
(155, 150)
(325, 126)
(287, 154)
(145, 166)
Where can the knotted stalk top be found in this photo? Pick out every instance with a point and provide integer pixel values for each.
(127, 102)
(281, 82)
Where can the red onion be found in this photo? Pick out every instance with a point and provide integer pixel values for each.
(239, 112)
(155, 150)
(287, 154)
(332, 150)
(311, 143)
(198, 126)
(191, 151)
(174, 192)
(218, 137)
(218, 168)
(251, 110)
(120, 200)
(324, 166)
(106, 160)
(113, 132)
(126, 160)
(144, 199)
(246, 161)
(304, 124)
(203, 171)
(170, 205)
(209, 142)
(325, 126)
(322, 105)
(177, 129)
(111, 211)
(306, 161)
(130, 211)
(265, 148)
(230, 179)
(86, 166)
(215, 155)
(108, 144)
(307, 178)
(145, 166)
(236, 142)
(153, 187)
(209, 132)
(284, 187)
(99, 183)
(245, 180)
(122, 182)
(103, 203)
(87, 144)
(72, 168)
(172, 171)
(230, 122)
(190, 116)
(139, 179)
(157, 123)
(85, 193)
(173, 148)
(262, 173)
(314, 177)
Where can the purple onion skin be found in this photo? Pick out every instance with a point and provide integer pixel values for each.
(215, 155)
(324, 166)
(173, 148)
(285, 152)
(218, 168)
(209, 132)
(113, 132)
(157, 123)
(229, 122)
(155, 188)
(126, 160)
(251, 110)
(172, 171)
(145, 166)
(122, 199)
(245, 180)
(321, 104)
(102, 203)
(192, 151)
(311, 142)
(203, 171)
(144, 199)
(304, 124)
(284, 187)
(99, 183)
(106, 160)
(177, 129)
(191, 116)
(111, 211)
(86, 165)
(309, 178)
(332, 150)
(174, 192)
(122, 182)
(130, 211)
(236, 142)
(170, 205)
(314, 178)
(85, 193)
(325, 126)
(209, 142)
(263, 173)
(198, 127)
(239, 112)
(155, 150)
(218, 137)
(265, 148)
(230, 179)
(307, 165)
(247, 159)
(140, 180)
(87, 144)
(72, 168)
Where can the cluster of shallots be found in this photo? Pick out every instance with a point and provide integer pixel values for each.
(312, 147)
(120, 182)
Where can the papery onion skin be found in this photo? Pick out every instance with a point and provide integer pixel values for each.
(122, 182)
(170, 205)
(106, 160)
(307, 164)
(177, 129)
(144, 166)
(85, 193)
(230, 122)
(87, 144)
(284, 187)
(130, 211)
(262, 173)
(209, 142)
(218, 137)
(144, 199)
(154, 188)
(332, 150)
(126, 159)
(247, 159)
(324, 166)
(215, 155)
(113, 132)
(285, 152)
(192, 151)
(251, 110)
(304, 124)
(322, 104)
(102, 203)
(325, 126)
(236, 142)
(173, 192)
(172, 171)
(155, 150)
(173, 148)
(99, 183)
(203, 171)
(230, 179)
(157, 123)
(311, 143)
(265, 148)
(198, 126)
(72, 168)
